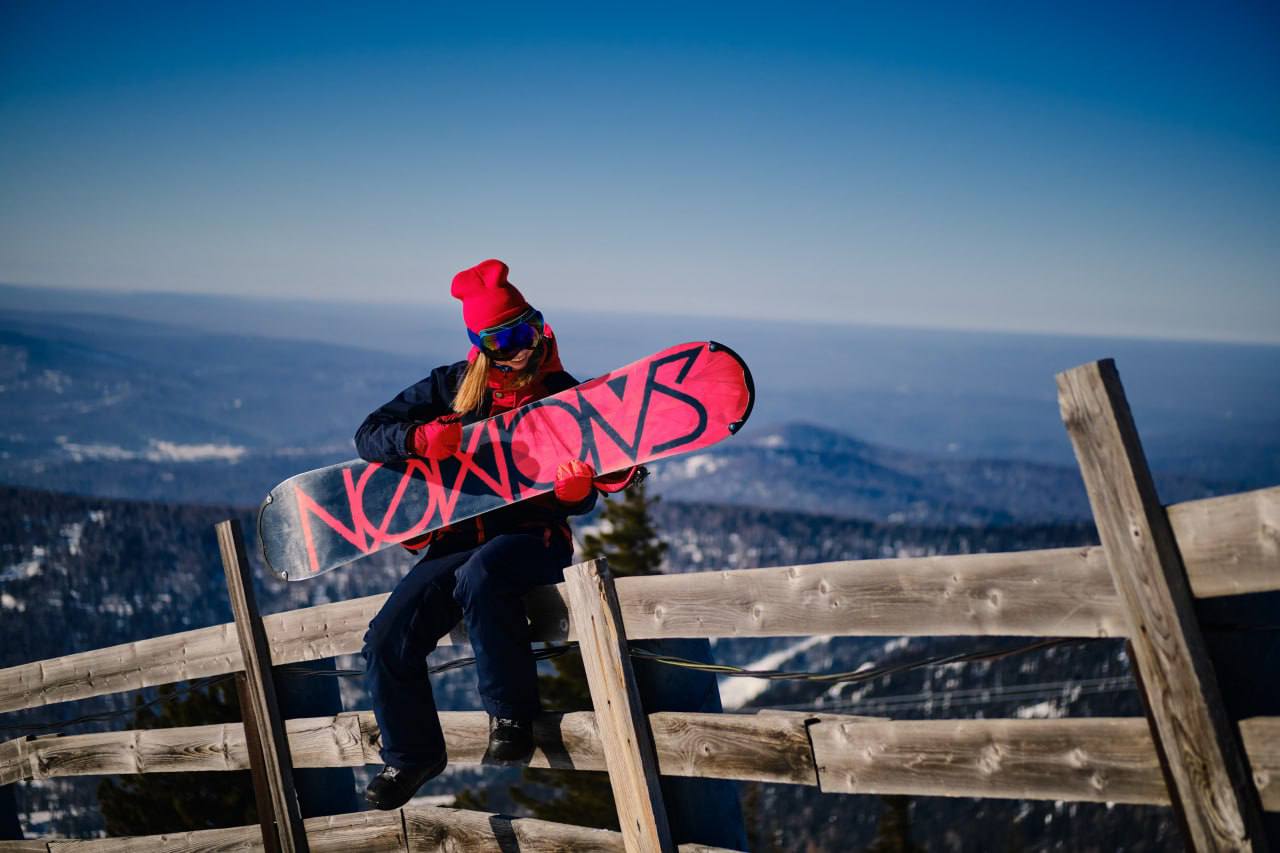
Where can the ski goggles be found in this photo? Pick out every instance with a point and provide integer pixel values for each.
(511, 337)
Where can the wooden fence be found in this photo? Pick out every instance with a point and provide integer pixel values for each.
(1139, 584)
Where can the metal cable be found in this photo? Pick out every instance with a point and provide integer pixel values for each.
(548, 652)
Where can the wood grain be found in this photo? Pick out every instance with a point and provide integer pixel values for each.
(415, 828)
(624, 730)
(722, 746)
(13, 761)
(1261, 736)
(1217, 799)
(448, 830)
(1230, 545)
(733, 746)
(1039, 759)
(1093, 760)
(237, 839)
(267, 743)
(1063, 592)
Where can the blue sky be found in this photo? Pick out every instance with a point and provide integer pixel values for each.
(1080, 168)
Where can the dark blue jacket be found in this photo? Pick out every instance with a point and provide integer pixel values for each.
(385, 435)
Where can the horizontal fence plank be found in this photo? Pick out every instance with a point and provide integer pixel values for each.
(416, 828)
(1229, 545)
(237, 838)
(728, 746)
(441, 829)
(365, 832)
(1261, 736)
(733, 746)
(1062, 592)
(1095, 760)
(1089, 759)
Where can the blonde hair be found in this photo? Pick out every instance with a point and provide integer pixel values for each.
(475, 380)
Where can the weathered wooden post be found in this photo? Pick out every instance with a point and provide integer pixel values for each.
(269, 757)
(628, 747)
(1207, 771)
(699, 811)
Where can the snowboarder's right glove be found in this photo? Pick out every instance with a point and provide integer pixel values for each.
(438, 439)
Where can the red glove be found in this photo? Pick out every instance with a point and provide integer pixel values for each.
(439, 439)
(573, 481)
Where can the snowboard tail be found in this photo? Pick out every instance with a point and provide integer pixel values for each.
(682, 399)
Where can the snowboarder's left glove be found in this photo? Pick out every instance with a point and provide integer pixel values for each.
(573, 481)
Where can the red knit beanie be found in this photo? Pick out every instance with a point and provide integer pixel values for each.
(488, 299)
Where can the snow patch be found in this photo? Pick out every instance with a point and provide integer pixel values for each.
(1039, 711)
(157, 451)
(55, 380)
(168, 451)
(27, 568)
(736, 692)
(700, 464)
(897, 644)
(772, 441)
(72, 533)
(94, 452)
(8, 602)
(444, 800)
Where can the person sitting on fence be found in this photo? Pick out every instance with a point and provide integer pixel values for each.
(478, 569)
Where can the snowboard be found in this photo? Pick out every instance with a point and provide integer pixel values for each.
(681, 399)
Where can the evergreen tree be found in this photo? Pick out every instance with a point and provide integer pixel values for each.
(154, 803)
(628, 539)
(630, 543)
(893, 833)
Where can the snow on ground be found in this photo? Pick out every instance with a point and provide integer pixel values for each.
(168, 451)
(157, 451)
(72, 533)
(697, 465)
(1040, 711)
(736, 692)
(445, 800)
(94, 452)
(26, 568)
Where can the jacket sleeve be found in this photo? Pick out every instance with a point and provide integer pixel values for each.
(384, 435)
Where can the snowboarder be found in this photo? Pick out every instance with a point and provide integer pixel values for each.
(479, 569)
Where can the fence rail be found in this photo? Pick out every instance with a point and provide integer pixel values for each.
(413, 828)
(1153, 561)
(1095, 759)
(1230, 545)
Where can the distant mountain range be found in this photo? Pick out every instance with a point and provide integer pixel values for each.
(132, 408)
(807, 468)
(1209, 411)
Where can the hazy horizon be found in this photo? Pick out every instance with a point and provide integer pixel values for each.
(442, 311)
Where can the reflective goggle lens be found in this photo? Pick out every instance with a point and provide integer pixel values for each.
(524, 333)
